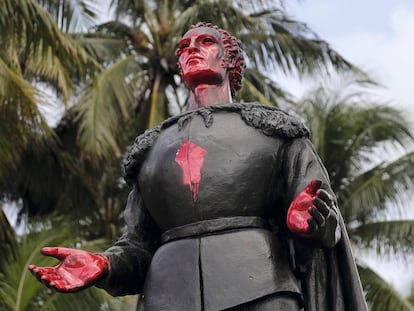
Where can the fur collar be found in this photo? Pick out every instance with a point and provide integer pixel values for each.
(270, 121)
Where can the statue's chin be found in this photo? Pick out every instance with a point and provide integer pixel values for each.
(201, 76)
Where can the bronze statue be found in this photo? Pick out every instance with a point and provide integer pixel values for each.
(231, 208)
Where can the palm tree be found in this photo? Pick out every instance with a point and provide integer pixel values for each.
(75, 166)
(35, 53)
(358, 140)
(140, 79)
(38, 57)
(7, 234)
(136, 85)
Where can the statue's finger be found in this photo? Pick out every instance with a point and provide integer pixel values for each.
(46, 270)
(324, 196)
(40, 271)
(313, 186)
(46, 275)
(59, 253)
(317, 216)
(322, 207)
(50, 277)
(313, 226)
(60, 283)
(66, 282)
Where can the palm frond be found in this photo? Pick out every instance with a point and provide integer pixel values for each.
(348, 127)
(42, 51)
(8, 238)
(72, 16)
(258, 87)
(274, 41)
(105, 48)
(157, 103)
(127, 8)
(105, 104)
(20, 118)
(380, 295)
(367, 193)
(385, 237)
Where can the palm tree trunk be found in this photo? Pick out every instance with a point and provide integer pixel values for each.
(7, 234)
(158, 111)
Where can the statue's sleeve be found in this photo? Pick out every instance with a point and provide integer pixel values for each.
(131, 255)
(301, 164)
(329, 276)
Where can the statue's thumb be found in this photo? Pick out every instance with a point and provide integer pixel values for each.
(313, 186)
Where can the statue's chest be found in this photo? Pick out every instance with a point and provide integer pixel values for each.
(196, 173)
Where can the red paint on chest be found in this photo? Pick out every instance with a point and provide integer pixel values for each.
(190, 157)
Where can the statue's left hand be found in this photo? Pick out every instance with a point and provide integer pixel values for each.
(78, 269)
(312, 215)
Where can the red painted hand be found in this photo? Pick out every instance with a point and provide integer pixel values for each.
(298, 212)
(78, 269)
(312, 215)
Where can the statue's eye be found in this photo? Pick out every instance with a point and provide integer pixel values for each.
(183, 45)
(208, 40)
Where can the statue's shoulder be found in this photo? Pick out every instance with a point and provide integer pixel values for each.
(137, 152)
(270, 121)
(142, 144)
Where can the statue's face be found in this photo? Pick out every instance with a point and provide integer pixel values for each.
(202, 57)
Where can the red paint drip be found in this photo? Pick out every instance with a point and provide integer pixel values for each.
(190, 157)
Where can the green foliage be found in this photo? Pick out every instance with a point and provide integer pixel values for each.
(35, 53)
(20, 291)
(37, 49)
(411, 296)
(8, 237)
(385, 237)
(120, 78)
(145, 35)
(125, 78)
(381, 295)
(105, 106)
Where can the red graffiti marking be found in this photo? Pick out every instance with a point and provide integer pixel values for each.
(190, 157)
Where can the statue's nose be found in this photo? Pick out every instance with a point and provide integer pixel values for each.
(193, 48)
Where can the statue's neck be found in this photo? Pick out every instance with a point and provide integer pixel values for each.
(209, 95)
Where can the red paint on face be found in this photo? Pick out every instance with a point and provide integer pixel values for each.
(190, 157)
(201, 57)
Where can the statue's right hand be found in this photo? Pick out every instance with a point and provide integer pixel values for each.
(78, 269)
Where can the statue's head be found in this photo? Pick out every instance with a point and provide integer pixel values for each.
(210, 54)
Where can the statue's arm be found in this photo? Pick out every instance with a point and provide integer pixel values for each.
(130, 256)
(120, 270)
(313, 213)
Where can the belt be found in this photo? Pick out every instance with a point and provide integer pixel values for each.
(213, 226)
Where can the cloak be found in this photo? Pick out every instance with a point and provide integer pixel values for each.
(329, 278)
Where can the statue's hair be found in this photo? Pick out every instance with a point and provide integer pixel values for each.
(233, 60)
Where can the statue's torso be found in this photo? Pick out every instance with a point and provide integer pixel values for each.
(199, 173)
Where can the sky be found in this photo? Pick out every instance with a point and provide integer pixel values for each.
(377, 36)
